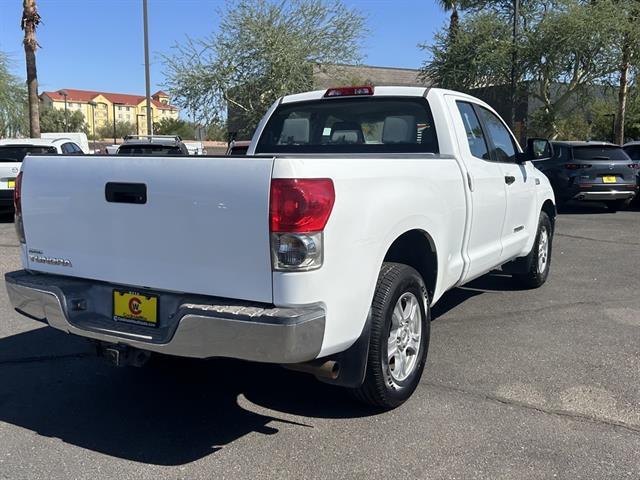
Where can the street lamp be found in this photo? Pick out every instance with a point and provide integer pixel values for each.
(138, 115)
(65, 94)
(114, 120)
(93, 122)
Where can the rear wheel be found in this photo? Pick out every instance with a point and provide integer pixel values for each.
(540, 256)
(614, 205)
(400, 326)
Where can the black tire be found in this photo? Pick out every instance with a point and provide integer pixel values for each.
(614, 205)
(535, 278)
(380, 388)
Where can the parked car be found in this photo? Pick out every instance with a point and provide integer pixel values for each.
(323, 250)
(152, 145)
(633, 150)
(13, 151)
(195, 148)
(79, 138)
(238, 147)
(591, 171)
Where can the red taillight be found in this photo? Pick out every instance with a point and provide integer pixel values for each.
(634, 165)
(17, 194)
(349, 91)
(300, 205)
(576, 166)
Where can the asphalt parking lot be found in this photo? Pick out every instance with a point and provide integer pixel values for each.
(519, 384)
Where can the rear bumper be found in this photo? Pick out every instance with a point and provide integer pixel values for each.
(605, 195)
(189, 326)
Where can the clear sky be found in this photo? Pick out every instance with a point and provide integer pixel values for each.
(98, 45)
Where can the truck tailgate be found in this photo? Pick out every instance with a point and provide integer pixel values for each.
(203, 227)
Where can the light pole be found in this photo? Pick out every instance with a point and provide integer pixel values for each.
(65, 94)
(138, 115)
(114, 121)
(93, 122)
(146, 68)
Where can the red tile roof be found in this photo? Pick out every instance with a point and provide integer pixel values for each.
(160, 93)
(88, 95)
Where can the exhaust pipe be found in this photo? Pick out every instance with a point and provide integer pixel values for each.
(320, 368)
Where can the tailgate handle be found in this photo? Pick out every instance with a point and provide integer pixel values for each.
(126, 192)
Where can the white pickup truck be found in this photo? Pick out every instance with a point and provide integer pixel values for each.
(322, 250)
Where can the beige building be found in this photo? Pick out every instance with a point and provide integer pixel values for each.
(109, 106)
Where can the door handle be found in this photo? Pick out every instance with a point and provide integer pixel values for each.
(509, 179)
(126, 193)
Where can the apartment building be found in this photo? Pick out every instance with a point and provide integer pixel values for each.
(109, 106)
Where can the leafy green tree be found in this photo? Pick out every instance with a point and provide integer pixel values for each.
(217, 131)
(122, 130)
(627, 53)
(174, 126)
(564, 46)
(264, 49)
(53, 120)
(13, 102)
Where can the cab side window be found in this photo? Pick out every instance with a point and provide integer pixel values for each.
(503, 148)
(67, 148)
(475, 135)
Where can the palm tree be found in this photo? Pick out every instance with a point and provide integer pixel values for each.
(451, 6)
(30, 21)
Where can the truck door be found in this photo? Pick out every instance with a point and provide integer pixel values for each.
(520, 220)
(488, 191)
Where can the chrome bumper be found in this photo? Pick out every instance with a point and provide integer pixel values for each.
(606, 195)
(191, 326)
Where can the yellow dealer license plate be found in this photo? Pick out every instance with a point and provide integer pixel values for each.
(11, 183)
(134, 307)
(609, 179)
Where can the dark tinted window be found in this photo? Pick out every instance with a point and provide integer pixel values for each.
(351, 125)
(149, 150)
(16, 153)
(633, 151)
(593, 152)
(503, 150)
(67, 148)
(475, 135)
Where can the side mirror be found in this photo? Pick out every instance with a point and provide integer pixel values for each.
(537, 149)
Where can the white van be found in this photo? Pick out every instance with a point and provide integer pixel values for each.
(79, 138)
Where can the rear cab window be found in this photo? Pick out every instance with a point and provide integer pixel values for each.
(374, 125)
(16, 153)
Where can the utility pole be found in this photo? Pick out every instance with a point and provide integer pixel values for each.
(146, 68)
(514, 59)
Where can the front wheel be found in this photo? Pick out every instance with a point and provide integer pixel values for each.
(540, 256)
(400, 326)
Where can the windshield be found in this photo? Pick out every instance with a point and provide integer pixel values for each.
(593, 152)
(351, 125)
(16, 153)
(149, 150)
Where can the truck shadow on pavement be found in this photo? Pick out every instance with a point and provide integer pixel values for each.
(170, 412)
(495, 281)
